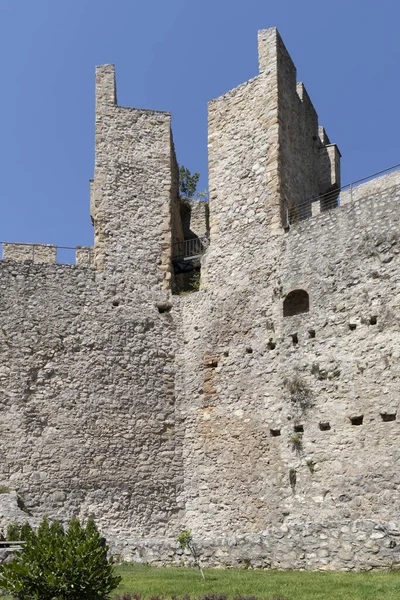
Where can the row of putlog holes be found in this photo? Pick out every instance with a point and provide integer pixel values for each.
(325, 425)
(311, 334)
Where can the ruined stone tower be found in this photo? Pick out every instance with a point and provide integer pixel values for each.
(262, 411)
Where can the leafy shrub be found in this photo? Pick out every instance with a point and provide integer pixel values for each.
(59, 565)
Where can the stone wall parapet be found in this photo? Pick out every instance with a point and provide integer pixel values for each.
(45, 253)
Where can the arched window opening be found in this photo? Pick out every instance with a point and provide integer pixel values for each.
(295, 303)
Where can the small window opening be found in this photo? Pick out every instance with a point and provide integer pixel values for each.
(299, 428)
(226, 352)
(324, 426)
(295, 339)
(275, 432)
(311, 333)
(271, 345)
(164, 307)
(357, 420)
(296, 303)
(388, 417)
(352, 326)
(115, 303)
(249, 350)
(373, 320)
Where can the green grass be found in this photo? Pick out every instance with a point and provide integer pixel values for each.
(294, 585)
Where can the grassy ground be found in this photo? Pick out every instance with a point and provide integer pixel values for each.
(294, 585)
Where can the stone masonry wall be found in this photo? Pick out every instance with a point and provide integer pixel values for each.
(87, 399)
(309, 164)
(269, 401)
(274, 438)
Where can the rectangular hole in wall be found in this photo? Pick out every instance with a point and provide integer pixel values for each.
(164, 307)
(373, 320)
(357, 420)
(388, 417)
(352, 326)
(295, 339)
(275, 432)
(324, 426)
(299, 428)
(311, 333)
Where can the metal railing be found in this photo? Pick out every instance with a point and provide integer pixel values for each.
(12, 546)
(189, 249)
(329, 200)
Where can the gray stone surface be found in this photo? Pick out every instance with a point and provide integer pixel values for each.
(274, 438)
(12, 510)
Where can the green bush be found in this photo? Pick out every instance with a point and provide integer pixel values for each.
(59, 565)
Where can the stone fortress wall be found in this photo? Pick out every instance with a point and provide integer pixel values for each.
(262, 412)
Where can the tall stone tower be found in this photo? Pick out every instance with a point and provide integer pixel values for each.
(134, 192)
(267, 158)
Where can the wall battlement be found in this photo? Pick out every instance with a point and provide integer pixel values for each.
(45, 253)
(261, 412)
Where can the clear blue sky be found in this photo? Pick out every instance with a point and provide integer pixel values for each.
(175, 55)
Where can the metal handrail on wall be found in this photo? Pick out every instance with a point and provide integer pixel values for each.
(330, 199)
(189, 249)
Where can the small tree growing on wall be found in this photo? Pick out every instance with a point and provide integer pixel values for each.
(187, 182)
(59, 565)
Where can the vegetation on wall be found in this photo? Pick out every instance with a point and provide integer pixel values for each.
(188, 185)
(187, 182)
(300, 393)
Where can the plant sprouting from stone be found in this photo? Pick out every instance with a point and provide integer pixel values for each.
(204, 196)
(292, 479)
(310, 464)
(187, 182)
(195, 281)
(297, 442)
(185, 540)
(300, 393)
